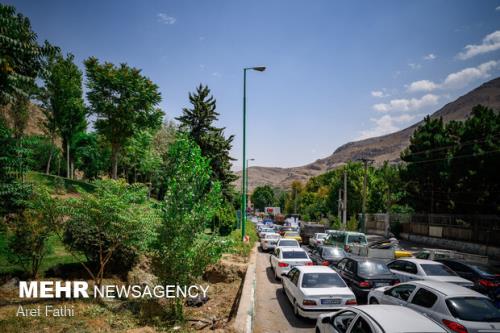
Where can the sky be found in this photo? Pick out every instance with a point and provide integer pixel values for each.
(337, 71)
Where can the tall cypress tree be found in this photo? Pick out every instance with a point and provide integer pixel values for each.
(198, 121)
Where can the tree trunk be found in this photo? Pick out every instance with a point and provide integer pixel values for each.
(114, 160)
(68, 171)
(47, 170)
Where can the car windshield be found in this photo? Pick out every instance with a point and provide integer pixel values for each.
(272, 236)
(291, 234)
(322, 280)
(356, 239)
(294, 255)
(288, 243)
(437, 270)
(321, 236)
(370, 268)
(473, 309)
(268, 230)
(485, 270)
(333, 252)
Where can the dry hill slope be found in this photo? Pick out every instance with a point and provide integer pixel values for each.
(380, 149)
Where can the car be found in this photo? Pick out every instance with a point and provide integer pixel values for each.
(292, 235)
(317, 239)
(287, 243)
(458, 308)
(286, 229)
(327, 255)
(284, 258)
(376, 319)
(264, 231)
(408, 269)
(486, 279)
(269, 241)
(362, 274)
(313, 290)
(345, 239)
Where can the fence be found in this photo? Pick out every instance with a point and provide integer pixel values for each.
(480, 229)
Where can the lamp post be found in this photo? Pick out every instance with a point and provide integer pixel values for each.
(244, 172)
(246, 183)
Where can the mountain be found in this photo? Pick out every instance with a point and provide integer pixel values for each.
(383, 148)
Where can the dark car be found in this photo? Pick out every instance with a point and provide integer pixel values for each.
(364, 274)
(327, 255)
(486, 278)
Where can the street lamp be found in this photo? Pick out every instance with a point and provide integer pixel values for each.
(244, 173)
(246, 183)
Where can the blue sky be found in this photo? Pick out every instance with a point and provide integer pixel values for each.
(337, 70)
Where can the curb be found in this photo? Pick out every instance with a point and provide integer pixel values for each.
(243, 322)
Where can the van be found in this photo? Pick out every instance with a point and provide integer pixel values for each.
(345, 239)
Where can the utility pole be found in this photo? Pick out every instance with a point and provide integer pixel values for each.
(344, 212)
(363, 207)
(339, 208)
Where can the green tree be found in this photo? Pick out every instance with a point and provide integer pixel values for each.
(263, 196)
(198, 122)
(62, 102)
(91, 154)
(124, 103)
(114, 221)
(191, 201)
(30, 231)
(140, 159)
(21, 57)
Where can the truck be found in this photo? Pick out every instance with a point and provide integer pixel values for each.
(308, 229)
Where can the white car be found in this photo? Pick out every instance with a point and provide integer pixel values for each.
(269, 241)
(284, 258)
(376, 319)
(458, 308)
(318, 239)
(409, 269)
(313, 290)
(287, 243)
(264, 231)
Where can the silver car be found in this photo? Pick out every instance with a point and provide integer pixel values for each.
(376, 319)
(269, 241)
(458, 308)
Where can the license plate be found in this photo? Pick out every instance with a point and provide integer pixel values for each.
(330, 301)
(381, 284)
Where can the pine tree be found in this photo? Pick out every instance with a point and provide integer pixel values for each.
(198, 122)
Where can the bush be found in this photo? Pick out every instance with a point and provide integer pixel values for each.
(352, 224)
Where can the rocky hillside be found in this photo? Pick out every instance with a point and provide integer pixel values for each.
(380, 149)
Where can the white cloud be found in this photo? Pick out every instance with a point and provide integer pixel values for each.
(216, 74)
(458, 79)
(407, 104)
(497, 9)
(422, 85)
(378, 94)
(414, 66)
(490, 43)
(385, 125)
(165, 19)
(430, 56)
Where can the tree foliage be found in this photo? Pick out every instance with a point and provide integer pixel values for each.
(263, 196)
(124, 101)
(198, 122)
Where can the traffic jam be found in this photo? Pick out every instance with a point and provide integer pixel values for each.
(352, 282)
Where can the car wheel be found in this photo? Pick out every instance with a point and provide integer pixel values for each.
(373, 301)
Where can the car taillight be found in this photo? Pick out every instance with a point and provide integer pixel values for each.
(308, 302)
(325, 263)
(309, 263)
(365, 284)
(455, 327)
(395, 282)
(351, 302)
(282, 264)
(488, 283)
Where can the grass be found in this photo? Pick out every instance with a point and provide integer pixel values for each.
(57, 256)
(59, 183)
(239, 247)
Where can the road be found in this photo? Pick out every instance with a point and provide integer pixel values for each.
(273, 312)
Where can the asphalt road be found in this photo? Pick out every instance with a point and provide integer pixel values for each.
(273, 311)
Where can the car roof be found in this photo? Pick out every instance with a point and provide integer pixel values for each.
(292, 249)
(408, 320)
(447, 289)
(420, 261)
(367, 259)
(315, 269)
